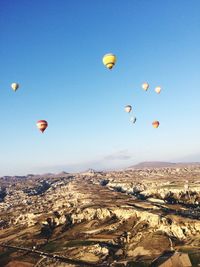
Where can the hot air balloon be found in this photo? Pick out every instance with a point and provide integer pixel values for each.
(109, 60)
(145, 86)
(15, 86)
(42, 125)
(158, 89)
(155, 124)
(128, 108)
(133, 119)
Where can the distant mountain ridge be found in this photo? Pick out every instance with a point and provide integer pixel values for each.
(161, 164)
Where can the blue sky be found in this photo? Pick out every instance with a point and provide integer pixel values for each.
(54, 50)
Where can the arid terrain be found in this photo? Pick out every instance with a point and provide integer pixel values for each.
(115, 218)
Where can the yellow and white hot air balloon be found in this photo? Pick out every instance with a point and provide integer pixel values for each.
(15, 86)
(128, 108)
(109, 60)
(158, 89)
(145, 86)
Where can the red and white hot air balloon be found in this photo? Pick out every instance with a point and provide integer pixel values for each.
(42, 125)
(155, 124)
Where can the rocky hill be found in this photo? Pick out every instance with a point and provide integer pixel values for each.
(118, 218)
(162, 164)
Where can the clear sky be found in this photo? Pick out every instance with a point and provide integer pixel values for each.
(54, 50)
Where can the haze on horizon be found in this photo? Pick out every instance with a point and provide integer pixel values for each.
(54, 51)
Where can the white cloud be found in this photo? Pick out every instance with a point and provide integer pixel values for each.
(119, 155)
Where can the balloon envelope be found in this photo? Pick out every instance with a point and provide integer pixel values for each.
(145, 86)
(128, 108)
(158, 89)
(15, 86)
(42, 125)
(133, 119)
(109, 60)
(155, 124)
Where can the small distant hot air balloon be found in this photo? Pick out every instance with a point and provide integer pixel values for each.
(158, 89)
(15, 86)
(42, 125)
(155, 124)
(128, 108)
(145, 86)
(109, 60)
(133, 119)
